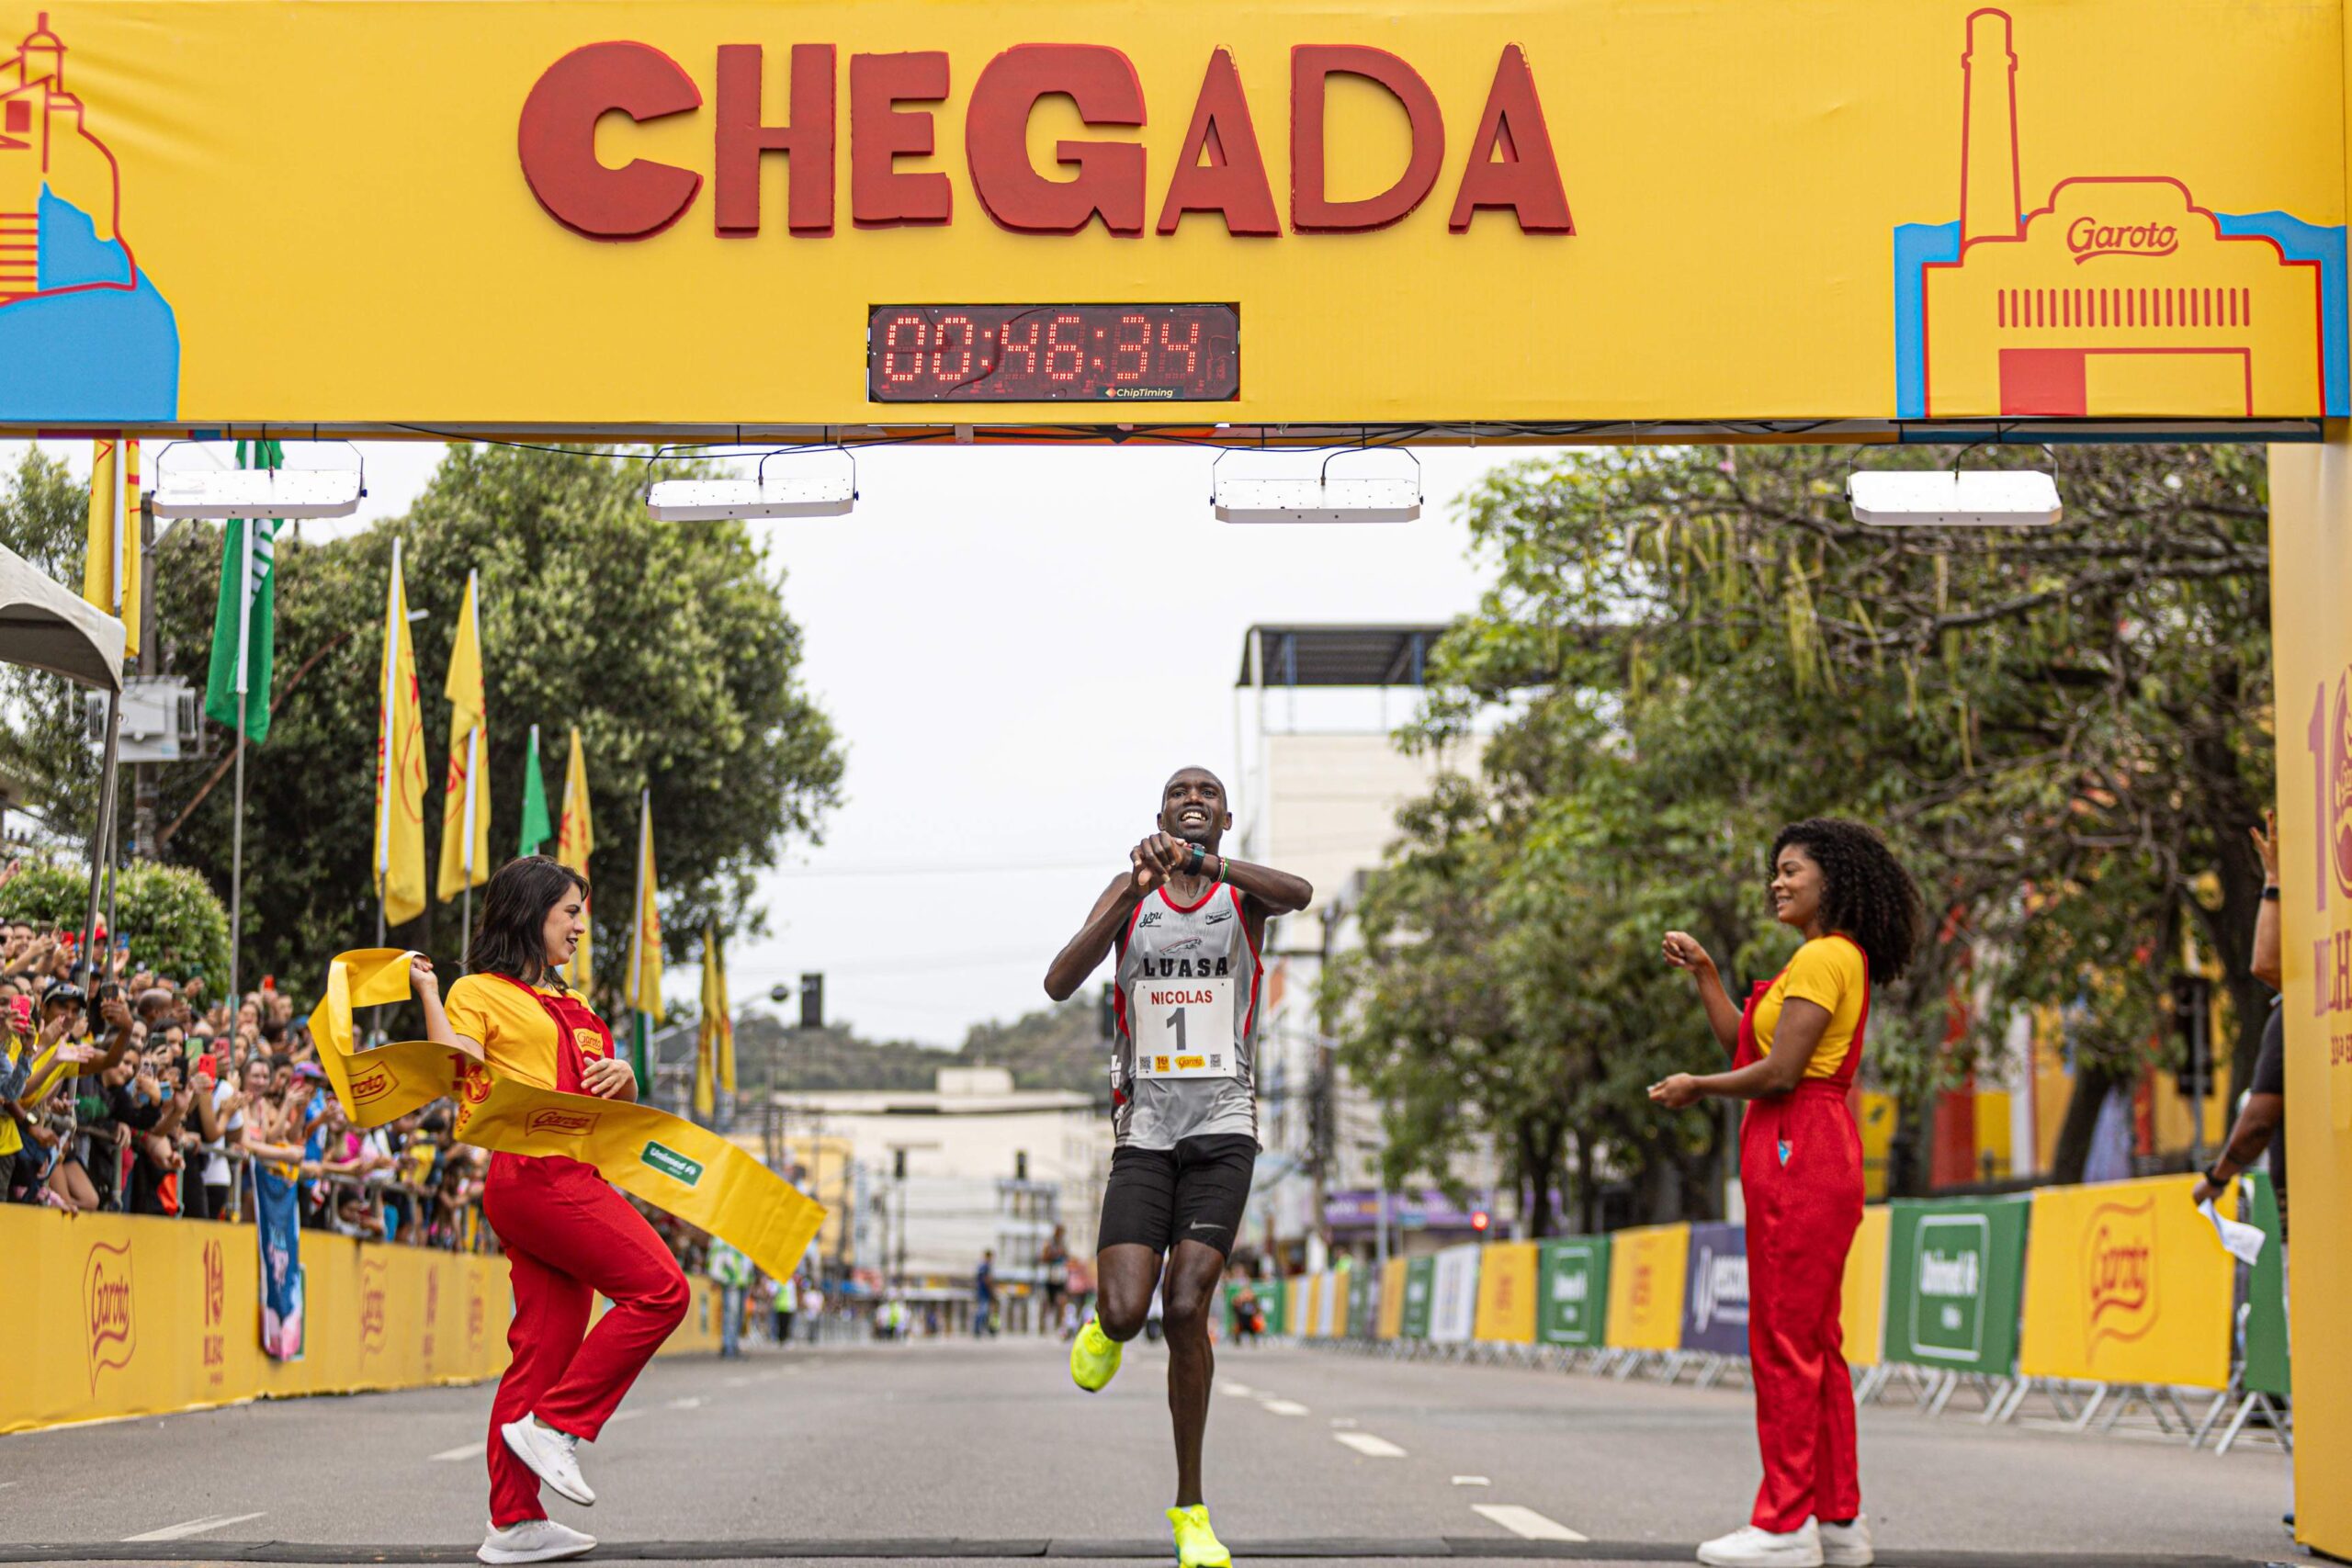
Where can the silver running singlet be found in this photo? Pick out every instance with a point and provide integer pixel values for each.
(1182, 1065)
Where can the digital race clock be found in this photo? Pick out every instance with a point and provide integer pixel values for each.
(1050, 354)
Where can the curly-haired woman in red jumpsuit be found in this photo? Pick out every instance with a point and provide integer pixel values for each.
(1795, 1048)
(569, 1236)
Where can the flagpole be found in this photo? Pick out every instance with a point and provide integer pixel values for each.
(237, 806)
(101, 832)
(473, 770)
(636, 948)
(393, 630)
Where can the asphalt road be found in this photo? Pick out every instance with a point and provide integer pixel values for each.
(960, 1450)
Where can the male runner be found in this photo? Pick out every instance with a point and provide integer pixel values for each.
(1188, 924)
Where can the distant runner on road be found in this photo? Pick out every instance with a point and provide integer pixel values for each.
(1188, 924)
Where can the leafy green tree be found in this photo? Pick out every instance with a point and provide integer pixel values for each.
(177, 927)
(44, 517)
(2064, 734)
(668, 645)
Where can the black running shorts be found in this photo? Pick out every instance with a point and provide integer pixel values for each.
(1194, 1191)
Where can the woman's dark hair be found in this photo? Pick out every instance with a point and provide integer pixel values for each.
(514, 914)
(1865, 892)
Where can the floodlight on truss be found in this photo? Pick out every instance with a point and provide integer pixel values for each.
(817, 494)
(1943, 498)
(290, 494)
(1322, 498)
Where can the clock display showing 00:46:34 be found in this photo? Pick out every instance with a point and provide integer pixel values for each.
(1041, 354)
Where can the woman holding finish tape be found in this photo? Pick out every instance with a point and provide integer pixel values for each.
(569, 1236)
(1795, 1048)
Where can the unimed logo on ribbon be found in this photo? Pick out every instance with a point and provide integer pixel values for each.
(2119, 1272)
(563, 1124)
(672, 1164)
(106, 1308)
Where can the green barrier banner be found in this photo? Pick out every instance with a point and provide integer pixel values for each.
(1273, 1301)
(2266, 1292)
(1572, 1290)
(1955, 1283)
(1420, 1289)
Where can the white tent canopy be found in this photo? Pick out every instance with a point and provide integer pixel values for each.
(46, 627)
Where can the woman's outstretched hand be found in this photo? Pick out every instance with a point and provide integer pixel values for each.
(1683, 952)
(1676, 1089)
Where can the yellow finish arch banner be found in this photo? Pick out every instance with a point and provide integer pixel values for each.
(630, 215)
(674, 1164)
(1648, 1267)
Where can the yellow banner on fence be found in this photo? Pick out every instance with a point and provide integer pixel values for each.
(1647, 1268)
(1392, 1298)
(1862, 1310)
(141, 1316)
(674, 1164)
(1506, 1293)
(1334, 1285)
(2126, 1282)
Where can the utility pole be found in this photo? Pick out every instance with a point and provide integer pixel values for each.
(142, 774)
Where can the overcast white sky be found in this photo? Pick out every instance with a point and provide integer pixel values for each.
(1017, 647)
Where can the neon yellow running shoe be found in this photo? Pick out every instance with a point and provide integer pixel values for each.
(1196, 1544)
(1093, 1358)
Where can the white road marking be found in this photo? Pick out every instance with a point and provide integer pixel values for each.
(1369, 1445)
(689, 1403)
(467, 1450)
(1471, 1481)
(1283, 1406)
(624, 1416)
(1525, 1522)
(1342, 1421)
(193, 1526)
(1239, 1390)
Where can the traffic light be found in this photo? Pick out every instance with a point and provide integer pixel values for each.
(1479, 1220)
(1020, 1165)
(812, 1002)
(898, 1165)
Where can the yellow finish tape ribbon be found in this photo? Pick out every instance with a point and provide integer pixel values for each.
(674, 1164)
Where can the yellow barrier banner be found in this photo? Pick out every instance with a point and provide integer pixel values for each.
(1648, 1265)
(2126, 1282)
(143, 1316)
(1335, 1310)
(1506, 1293)
(2310, 637)
(1310, 1319)
(672, 1164)
(1862, 1310)
(1049, 211)
(1392, 1298)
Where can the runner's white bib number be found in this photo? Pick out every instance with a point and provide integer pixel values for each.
(1183, 1029)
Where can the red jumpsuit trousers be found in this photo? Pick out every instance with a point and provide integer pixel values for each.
(1801, 1170)
(570, 1237)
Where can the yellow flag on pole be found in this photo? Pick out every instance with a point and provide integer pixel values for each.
(465, 798)
(645, 928)
(111, 567)
(714, 1043)
(400, 766)
(575, 840)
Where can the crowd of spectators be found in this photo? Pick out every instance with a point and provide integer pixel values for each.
(153, 1097)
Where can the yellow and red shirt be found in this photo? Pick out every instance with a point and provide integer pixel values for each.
(518, 1035)
(1830, 973)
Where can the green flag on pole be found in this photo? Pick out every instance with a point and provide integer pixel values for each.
(232, 618)
(536, 827)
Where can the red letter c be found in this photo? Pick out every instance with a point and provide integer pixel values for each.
(557, 140)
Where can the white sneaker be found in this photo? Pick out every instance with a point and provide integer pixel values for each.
(533, 1540)
(1748, 1546)
(553, 1457)
(1847, 1545)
